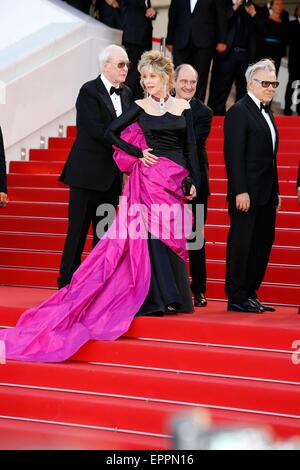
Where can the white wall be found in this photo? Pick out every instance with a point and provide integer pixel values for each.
(46, 53)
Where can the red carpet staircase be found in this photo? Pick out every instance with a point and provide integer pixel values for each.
(123, 394)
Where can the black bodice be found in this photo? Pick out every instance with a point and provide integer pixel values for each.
(169, 136)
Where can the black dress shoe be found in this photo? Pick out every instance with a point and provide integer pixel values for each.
(248, 306)
(200, 300)
(265, 307)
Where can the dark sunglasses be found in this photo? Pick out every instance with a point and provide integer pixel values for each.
(266, 83)
(121, 65)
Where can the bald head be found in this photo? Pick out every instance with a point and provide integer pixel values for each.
(186, 79)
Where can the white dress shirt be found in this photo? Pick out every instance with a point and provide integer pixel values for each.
(193, 4)
(266, 116)
(115, 99)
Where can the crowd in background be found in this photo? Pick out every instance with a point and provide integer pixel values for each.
(232, 33)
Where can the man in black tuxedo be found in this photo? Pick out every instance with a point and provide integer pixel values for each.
(3, 187)
(196, 29)
(230, 67)
(186, 78)
(250, 148)
(90, 170)
(137, 38)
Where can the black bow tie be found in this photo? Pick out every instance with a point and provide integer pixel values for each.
(265, 107)
(113, 90)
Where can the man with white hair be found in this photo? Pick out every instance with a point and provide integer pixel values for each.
(90, 170)
(250, 148)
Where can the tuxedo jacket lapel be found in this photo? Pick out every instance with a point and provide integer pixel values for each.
(196, 7)
(104, 96)
(125, 100)
(258, 115)
(276, 132)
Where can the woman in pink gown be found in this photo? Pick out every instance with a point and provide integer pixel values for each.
(128, 272)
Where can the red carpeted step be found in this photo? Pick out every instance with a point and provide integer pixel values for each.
(48, 155)
(83, 409)
(33, 225)
(42, 168)
(285, 255)
(288, 203)
(276, 293)
(285, 146)
(281, 121)
(287, 188)
(191, 358)
(26, 435)
(34, 181)
(28, 277)
(71, 132)
(120, 413)
(288, 173)
(275, 274)
(39, 194)
(270, 293)
(285, 133)
(288, 121)
(210, 325)
(35, 242)
(35, 209)
(60, 142)
(207, 390)
(216, 157)
(30, 259)
(283, 219)
(283, 237)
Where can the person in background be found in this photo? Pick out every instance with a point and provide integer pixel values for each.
(82, 5)
(271, 31)
(137, 38)
(250, 148)
(186, 78)
(110, 13)
(293, 64)
(230, 67)
(196, 29)
(90, 170)
(3, 182)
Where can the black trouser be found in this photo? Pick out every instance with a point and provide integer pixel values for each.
(293, 77)
(134, 53)
(249, 244)
(200, 59)
(225, 71)
(83, 205)
(197, 257)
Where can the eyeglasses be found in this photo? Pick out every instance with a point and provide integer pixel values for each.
(120, 65)
(266, 83)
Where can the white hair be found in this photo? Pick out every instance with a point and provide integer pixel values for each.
(264, 64)
(108, 52)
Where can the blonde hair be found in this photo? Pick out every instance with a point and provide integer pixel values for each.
(160, 64)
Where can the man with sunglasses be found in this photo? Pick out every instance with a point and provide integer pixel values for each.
(250, 148)
(90, 170)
